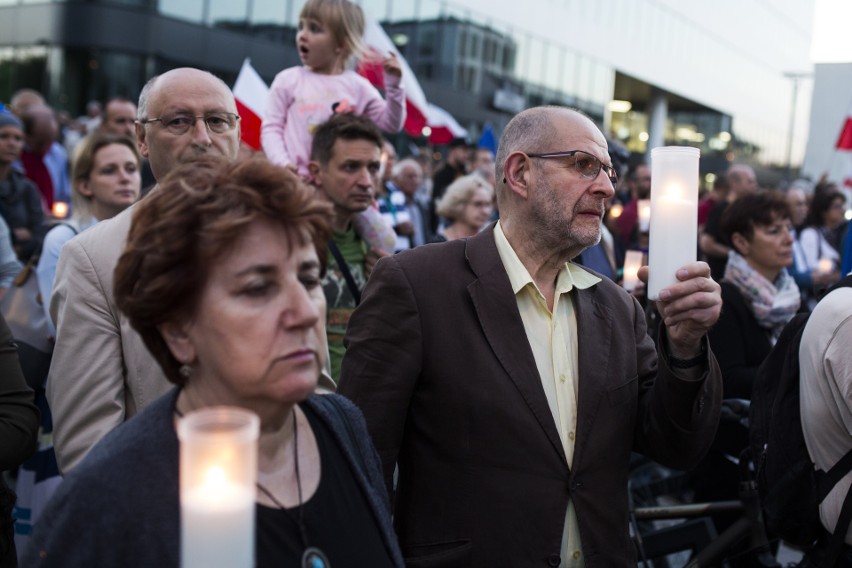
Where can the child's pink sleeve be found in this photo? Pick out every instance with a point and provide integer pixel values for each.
(387, 113)
(274, 123)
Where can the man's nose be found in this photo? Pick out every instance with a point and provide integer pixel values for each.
(200, 133)
(365, 178)
(603, 184)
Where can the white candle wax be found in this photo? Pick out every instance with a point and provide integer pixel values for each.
(632, 264)
(673, 240)
(218, 469)
(217, 526)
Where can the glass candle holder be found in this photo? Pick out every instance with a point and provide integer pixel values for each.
(673, 241)
(218, 471)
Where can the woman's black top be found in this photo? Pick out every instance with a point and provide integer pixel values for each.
(338, 519)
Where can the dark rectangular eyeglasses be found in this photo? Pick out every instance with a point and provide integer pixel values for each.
(587, 165)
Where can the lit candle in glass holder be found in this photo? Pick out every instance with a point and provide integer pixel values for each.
(643, 208)
(632, 263)
(825, 265)
(674, 208)
(218, 471)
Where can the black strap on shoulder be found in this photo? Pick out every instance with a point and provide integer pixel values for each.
(70, 226)
(835, 543)
(829, 479)
(344, 268)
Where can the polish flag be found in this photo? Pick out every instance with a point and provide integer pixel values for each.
(250, 92)
(443, 127)
(843, 147)
(379, 46)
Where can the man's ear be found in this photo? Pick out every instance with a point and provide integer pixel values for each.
(141, 140)
(740, 244)
(177, 339)
(516, 173)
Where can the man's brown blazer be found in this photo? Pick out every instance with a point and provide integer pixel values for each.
(439, 362)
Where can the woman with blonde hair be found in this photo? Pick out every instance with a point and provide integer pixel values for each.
(105, 181)
(467, 205)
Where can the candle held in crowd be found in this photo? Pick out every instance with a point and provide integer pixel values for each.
(644, 209)
(674, 214)
(632, 263)
(218, 464)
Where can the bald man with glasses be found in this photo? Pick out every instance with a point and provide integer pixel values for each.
(510, 385)
(101, 373)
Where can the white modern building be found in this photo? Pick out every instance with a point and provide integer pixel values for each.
(708, 73)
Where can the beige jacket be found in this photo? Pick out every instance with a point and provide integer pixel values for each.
(101, 373)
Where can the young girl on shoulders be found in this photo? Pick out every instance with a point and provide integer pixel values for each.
(301, 98)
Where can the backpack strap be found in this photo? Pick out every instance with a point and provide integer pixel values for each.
(835, 543)
(827, 480)
(344, 268)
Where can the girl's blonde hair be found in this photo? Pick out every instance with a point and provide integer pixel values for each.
(344, 19)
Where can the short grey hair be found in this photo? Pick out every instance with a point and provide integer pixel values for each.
(145, 94)
(403, 165)
(526, 132)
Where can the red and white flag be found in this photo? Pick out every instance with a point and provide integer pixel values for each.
(443, 126)
(250, 91)
(842, 167)
(380, 46)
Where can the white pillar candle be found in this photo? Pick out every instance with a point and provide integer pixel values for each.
(643, 208)
(632, 263)
(218, 471)
(674, 209)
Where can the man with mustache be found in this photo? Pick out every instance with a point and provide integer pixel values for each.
(510, 385)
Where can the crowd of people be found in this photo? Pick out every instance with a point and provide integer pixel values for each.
(492, 374)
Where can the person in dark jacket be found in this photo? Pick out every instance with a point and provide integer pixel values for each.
(234, 317)
(19, 421)
(20, 201)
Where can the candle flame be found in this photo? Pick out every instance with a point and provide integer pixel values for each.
(60, 209)
(674, 191)
(215, 477)
(616, 210)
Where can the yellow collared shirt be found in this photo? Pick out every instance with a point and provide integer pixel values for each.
(553, 339)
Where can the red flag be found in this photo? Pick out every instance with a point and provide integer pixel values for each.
(845, 140)
(250, 92)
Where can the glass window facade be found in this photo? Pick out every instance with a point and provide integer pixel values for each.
(475, 47)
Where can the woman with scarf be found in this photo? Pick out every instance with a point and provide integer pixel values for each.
(759, 296)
